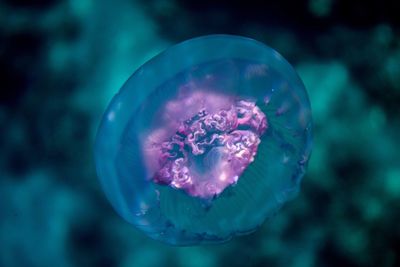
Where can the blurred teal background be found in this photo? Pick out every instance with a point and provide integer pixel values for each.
(61, 61)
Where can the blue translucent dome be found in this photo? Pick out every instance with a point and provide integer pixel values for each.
(205, 141)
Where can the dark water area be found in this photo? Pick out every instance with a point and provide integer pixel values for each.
(61, 61)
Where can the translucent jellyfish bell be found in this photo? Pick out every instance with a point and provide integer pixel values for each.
(205, 141)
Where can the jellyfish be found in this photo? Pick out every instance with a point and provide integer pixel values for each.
(205, 141)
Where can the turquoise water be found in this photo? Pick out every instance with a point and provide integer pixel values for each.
(62, 61)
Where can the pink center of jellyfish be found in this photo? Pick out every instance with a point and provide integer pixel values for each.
(206, 143)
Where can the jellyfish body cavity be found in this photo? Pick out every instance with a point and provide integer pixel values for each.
(205, 141)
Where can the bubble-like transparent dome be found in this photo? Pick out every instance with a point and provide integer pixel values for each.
(205, 141)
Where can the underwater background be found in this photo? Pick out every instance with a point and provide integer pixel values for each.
(61, 61)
